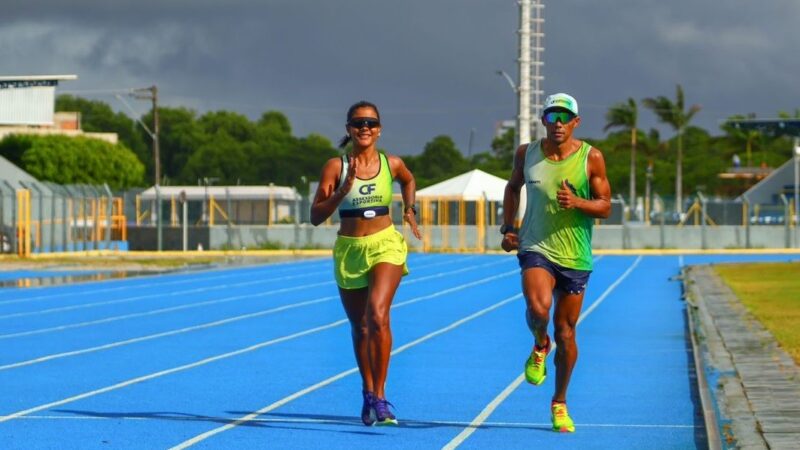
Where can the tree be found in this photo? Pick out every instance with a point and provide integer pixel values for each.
(739, 136)
(235, 125)
(275, 121)
(179, 136)
(503, 147)
(97, 116)
(309, 154)
(224, 158)
(69, 160)
(440, 160)
(625, 116)
(674, 115)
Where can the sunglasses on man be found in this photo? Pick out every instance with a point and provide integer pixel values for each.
(564, 117)
(361, 122)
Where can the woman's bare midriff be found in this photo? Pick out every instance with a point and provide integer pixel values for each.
(358, 227)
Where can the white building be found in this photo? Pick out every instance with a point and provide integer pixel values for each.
(27, 106)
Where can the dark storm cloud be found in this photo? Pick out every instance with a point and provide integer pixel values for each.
(429, 65)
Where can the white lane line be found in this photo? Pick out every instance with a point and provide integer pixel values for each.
(323, 383)
(183, 278)
(214, 324)
(158, 295)
(355, 422)
(165, 333)
(169, 371)
(489, 409)
(156, 311)
(173, 294)
(207, 303)
(613, 286)
(194, 276)
(451, 272)
(218, 357)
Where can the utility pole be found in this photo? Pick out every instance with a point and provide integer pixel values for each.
(151, 93)
(537, 36)
(471, 137)
(531, 59)
(524, 62)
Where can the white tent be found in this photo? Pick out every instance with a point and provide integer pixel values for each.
(286, 193)
(470, 186)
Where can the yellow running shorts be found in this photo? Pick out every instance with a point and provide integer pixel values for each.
(354, 257)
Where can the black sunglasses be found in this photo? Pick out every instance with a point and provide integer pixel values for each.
(564, 117)
(361, 122)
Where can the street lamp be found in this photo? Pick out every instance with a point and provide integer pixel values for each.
(647, 192)
(796, 191)
(151, 93)
(523, 113)
(207, 181)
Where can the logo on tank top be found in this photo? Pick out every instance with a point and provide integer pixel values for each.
(366, 189)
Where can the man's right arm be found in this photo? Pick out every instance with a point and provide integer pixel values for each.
(511, 199)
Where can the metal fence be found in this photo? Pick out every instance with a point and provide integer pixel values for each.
(44, 217)
(41, 217)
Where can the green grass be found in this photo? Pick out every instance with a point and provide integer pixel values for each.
(771, 291)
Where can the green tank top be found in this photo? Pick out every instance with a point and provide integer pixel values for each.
(369, 193)
(563, 236)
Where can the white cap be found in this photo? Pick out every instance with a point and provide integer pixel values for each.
(561, 100)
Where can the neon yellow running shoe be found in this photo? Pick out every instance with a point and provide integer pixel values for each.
(535, 367)
(561, 420)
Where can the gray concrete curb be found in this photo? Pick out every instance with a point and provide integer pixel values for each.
(750, 387)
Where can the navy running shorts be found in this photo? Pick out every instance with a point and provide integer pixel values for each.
(568, 280)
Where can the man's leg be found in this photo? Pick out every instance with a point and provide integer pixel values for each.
(537, 287)
(565, 319)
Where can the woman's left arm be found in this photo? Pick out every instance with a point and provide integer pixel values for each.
(408, 188)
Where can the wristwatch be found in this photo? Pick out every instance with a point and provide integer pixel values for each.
(412, 208)
(506, 228)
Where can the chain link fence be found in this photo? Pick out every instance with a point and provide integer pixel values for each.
(41, 217)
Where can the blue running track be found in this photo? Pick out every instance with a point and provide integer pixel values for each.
(260, 357)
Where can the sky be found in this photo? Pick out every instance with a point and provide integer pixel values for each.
(429, 65)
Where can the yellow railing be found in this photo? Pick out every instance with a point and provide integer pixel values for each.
(454, 217)
(24, 222)
(91, 212)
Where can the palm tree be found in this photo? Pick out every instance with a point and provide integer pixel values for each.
(625, 116)
(746, 137)
(674, 115)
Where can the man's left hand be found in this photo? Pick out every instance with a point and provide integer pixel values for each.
(566, 197)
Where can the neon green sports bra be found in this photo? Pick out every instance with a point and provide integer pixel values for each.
(368, 198)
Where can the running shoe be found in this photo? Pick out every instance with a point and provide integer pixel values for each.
(535, 367)
(383, 416)
(561, 420)
(367, 411)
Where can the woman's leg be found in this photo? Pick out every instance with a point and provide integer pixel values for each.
(355, 305)
(384, 279)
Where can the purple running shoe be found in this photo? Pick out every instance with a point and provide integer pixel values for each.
(383, 416)
(367, 411)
